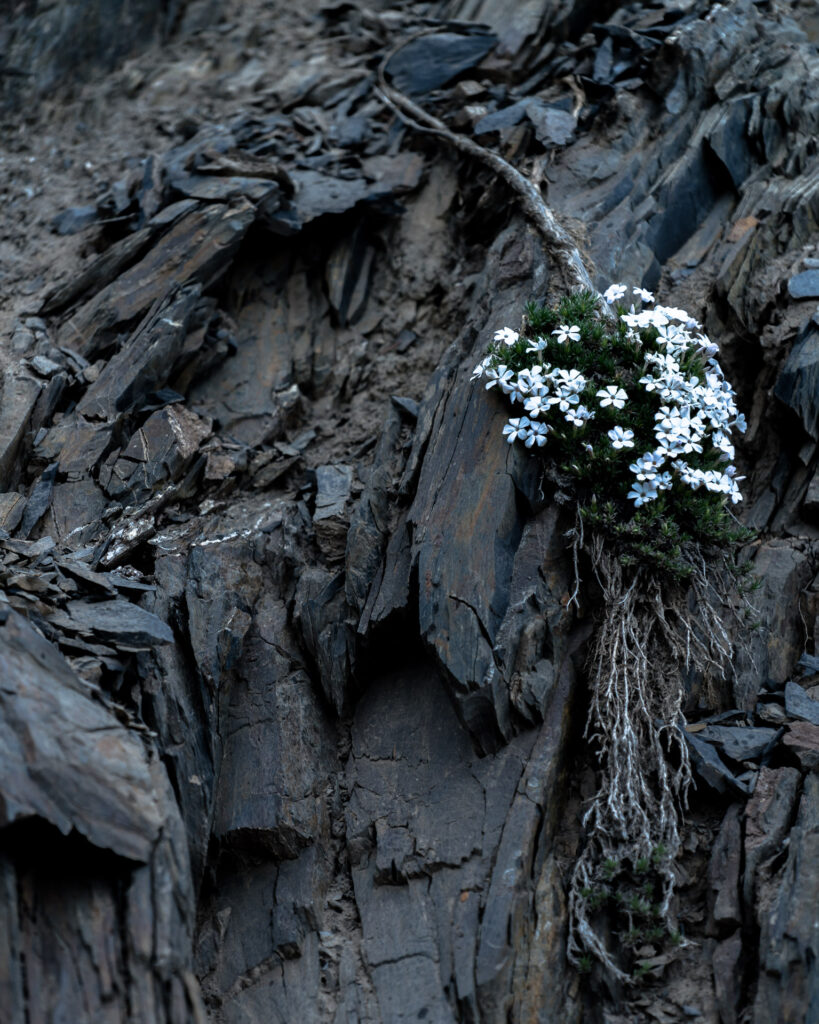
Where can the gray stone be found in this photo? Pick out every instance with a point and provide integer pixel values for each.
(740, 744)
(119, 620)
(553, 126)
(12, 505)
(788, 987)
(94, 777)
(331, 518)
(710, 767)
(728, 977)
(799, 705)
(196, 250)
(802, 739)
(434, 60)
(798, 382)
(18, 396)
(144, 362)
(804, 285)
(724, 871)
(75, 219)
(44, 366)
(767, 820)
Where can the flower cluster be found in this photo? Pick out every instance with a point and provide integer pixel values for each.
(665, 396)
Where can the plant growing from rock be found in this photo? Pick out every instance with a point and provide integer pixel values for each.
(633, 419)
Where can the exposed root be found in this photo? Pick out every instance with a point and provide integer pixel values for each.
(577, 536)
(554, 234)
(648, 638)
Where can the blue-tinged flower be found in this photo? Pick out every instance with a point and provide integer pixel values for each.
(537, 434)
(536, 404)
(621, 438)
(565, 400)
(641, 493)
(517, 429)
(498, 375)
(673, 313)
(644, 295)
(645, 468)
(580, 416)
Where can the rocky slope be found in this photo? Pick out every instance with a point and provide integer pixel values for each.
(292, 706)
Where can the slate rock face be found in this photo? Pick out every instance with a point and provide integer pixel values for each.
(58, 45)
(292, 700)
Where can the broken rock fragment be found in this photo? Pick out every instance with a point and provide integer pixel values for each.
(331, 519)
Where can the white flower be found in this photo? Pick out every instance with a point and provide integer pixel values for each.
(506, 336)
(672, 313)
(672, 336)
(481, 368)
(645, 318)
(645, 468)
(537, 345)
(517, 429)
(621, 438)
(641, 493)
(498, 375)
(536, 404)
(644, 295)
(579, 417)
(650, 383)
(565, 400)
(566, 333)
(612, 395)
(571, 379)
(537, 434)
(613, 293)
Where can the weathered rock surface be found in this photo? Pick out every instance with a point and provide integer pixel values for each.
(292, 703)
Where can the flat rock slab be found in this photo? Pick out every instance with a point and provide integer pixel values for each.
(804, 285)
(198, 248)
(65, 757)
(19, 392)
(120, 621)
(740, 744)
(799, 705)
(787, 987)
(144, 361)
(798, 382)
(711, 768)
(331, 518)
(432, 61)
(802, 739)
